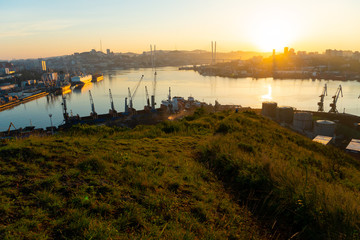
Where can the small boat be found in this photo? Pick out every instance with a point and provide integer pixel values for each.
(97, 77)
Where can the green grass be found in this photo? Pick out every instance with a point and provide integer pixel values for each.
(208, 176)
(101, 183)
(307, 188)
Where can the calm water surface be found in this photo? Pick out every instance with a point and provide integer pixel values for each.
(247, 92)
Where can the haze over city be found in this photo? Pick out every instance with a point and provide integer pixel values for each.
(32, 29)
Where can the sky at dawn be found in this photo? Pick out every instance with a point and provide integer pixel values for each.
(37, 28)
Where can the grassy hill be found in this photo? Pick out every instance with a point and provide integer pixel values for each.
(208, 176)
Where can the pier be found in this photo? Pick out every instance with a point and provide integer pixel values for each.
(17, 102)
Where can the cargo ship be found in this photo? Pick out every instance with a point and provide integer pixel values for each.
(81, 79)
(97, 77)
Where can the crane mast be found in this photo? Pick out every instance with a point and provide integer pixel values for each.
(154, 91)
(126, 106)
(92, 104)
(169, 97)
(65, 114)
(111, 101)
(147, 97)
(335, 99)
(129, 97)
(321, 103)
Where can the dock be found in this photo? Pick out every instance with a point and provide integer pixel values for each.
(17, 102)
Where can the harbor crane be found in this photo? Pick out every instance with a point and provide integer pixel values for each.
(111, 102)
(147, 97)
(321, 103)
(93, 113)
(335, 98)
(131, 96)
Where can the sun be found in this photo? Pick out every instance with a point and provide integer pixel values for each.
(272, 33)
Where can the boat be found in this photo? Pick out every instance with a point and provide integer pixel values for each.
(97, 77)
(81, 79)
(65, 88)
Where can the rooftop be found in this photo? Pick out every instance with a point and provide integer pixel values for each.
(354, 146)
(322, 139)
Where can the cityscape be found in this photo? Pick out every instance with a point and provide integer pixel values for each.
(169, 120)
(19, 75)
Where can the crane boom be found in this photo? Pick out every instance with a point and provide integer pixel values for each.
(338, 92)
(11, 124)
(137, 86)
(324, 93)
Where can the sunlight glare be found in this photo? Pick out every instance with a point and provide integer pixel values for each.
(272, 33)
(268, 95)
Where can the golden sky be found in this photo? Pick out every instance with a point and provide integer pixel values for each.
(38, 28)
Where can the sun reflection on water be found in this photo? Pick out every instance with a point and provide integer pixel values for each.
(268, 95)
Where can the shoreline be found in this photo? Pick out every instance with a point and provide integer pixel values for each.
(207, 71)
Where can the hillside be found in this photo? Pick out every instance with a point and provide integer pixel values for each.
(208, 176)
